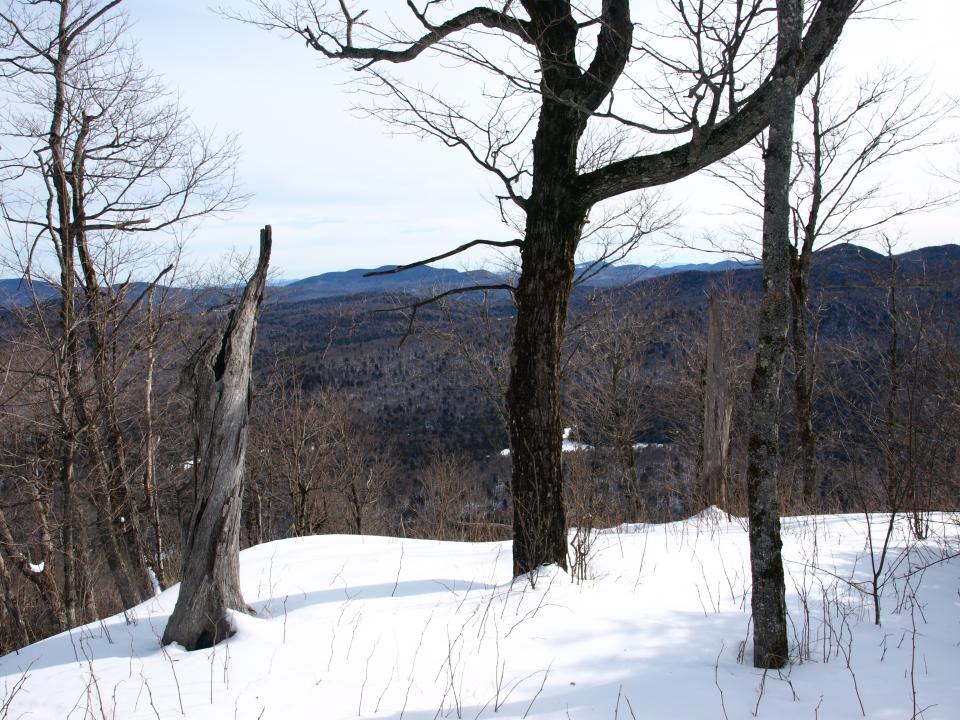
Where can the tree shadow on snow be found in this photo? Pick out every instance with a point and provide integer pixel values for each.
(292, 602)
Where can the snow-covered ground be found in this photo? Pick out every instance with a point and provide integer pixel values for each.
(379, 627)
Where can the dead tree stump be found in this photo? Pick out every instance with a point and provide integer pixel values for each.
(220, 374)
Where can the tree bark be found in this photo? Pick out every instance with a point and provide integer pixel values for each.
(555, 219)
(533, 397)
(14, 619)
(151, 495)
(770, 649)
(221, 376)
(803, 361)
(68, 536)
(717, 411)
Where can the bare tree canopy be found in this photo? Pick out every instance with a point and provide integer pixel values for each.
(95, 157)
(839, 191)
(86, 120)
(575, 101)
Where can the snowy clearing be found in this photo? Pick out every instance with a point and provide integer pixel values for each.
(386, 628)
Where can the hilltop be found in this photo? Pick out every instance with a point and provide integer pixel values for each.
(376, 627)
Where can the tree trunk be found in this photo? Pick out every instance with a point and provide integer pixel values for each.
(356, 504)
(83, 579)
(105, 436)
(803, 359)
(717, 411)
(68, 539)
(533, 396)
(40, 575)
(106, 519)
(770, 649)
(891, 451)
(149, 470)
(255, 534)
(13, 622)
(221, 375)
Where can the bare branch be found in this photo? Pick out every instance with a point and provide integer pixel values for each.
(728, 135)
(323, 35)
(415, 306)
(457, 251)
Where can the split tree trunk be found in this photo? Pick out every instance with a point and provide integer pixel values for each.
(221, 376)
(770, 649)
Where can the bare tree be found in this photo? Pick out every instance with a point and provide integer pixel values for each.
(478, 336)
(294, 433)
(768, 600)
(556, 80)
(221, 377)
(360, 473)
(450, 498)
(844, 144)
(612, 381)
(892, 389)
(893, 385)
(94, 155)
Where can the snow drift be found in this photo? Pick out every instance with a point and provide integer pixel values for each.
(375, 627)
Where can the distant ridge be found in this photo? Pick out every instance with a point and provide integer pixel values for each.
(617, 275)
(15, 292)
(426, 279)
(836, 265)
(353, 282)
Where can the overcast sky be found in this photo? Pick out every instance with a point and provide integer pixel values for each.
(342, 192)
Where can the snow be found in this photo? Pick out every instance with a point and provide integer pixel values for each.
(374, 627)
(567, 445)
(154, 582)
(642, 446)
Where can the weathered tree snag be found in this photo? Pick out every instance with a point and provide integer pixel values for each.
(717, 411)
(770, 649)
(221, 376)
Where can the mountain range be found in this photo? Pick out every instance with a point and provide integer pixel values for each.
(427, 279)
(834, 266)
(15, 292)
